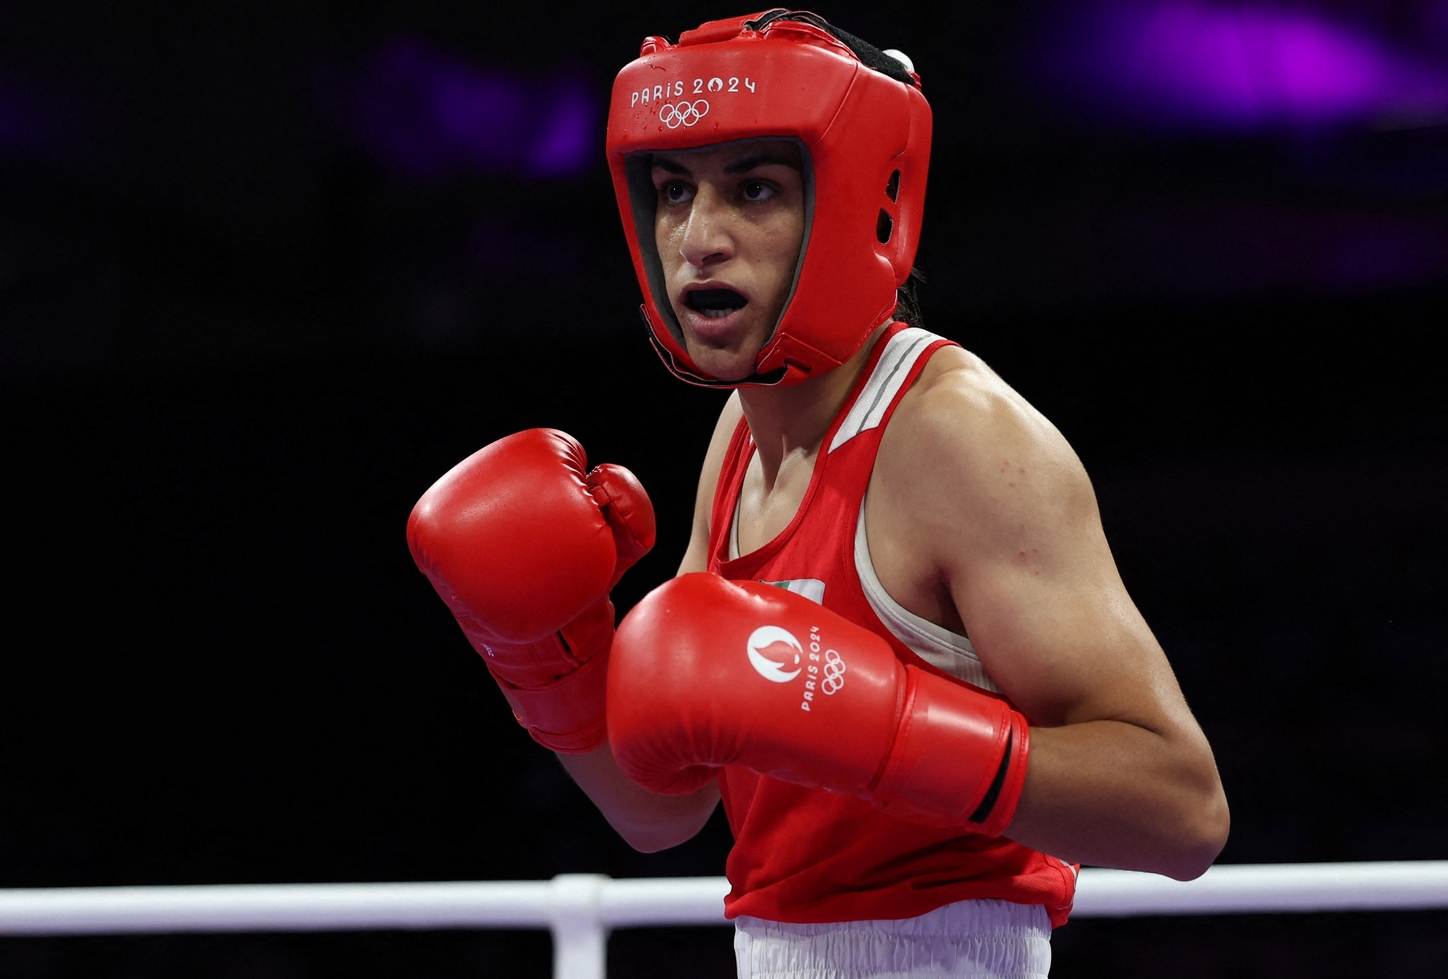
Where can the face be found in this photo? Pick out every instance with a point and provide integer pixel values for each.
(729, 225)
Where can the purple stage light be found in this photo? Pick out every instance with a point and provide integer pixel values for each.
(27, 126)
(429, 115)
(1383, 251)
(570, 137)
(1196, 64)
(1226, 249)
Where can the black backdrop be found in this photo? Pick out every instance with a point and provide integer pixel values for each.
(235, 346)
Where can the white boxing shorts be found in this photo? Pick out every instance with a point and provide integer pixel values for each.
(966, 940)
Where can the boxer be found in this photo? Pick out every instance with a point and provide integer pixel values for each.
(898, 648)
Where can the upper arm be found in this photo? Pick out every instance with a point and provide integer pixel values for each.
(646, 820)
(696, 556)
(1010, 522)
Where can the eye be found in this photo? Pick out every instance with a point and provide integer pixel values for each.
(676, 192)
(756, 190)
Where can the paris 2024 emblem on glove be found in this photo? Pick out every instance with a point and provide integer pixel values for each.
(708, 673)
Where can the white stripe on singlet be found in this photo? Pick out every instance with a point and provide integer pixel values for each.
(935, 644)
(890, 372)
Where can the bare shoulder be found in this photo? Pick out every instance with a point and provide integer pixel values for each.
(989, 497)
(967, 454)
(696, 556)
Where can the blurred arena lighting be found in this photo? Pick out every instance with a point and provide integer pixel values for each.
(429, 115)
(1217, 248)
(1195, 64)
(30, 125)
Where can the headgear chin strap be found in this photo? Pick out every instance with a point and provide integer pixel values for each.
(864, 132)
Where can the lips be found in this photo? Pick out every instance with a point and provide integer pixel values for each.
(714, 303)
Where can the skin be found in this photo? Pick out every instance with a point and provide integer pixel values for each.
(979, 518)
(729, 217)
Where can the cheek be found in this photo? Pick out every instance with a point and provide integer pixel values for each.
(783, 240)
(665, 241)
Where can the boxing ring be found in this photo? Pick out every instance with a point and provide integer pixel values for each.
(581, 909)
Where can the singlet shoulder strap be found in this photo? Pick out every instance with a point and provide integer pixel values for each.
(896, 366)
(726, 490)
(947, 651)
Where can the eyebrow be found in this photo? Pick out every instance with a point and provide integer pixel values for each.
(741, 165)
(672, 166)
(748, 163)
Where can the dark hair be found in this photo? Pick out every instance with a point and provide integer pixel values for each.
(907, 303)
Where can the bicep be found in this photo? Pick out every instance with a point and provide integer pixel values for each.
(1063, 640)
(1023, 554)
(1006, 520)
(1049, 615)
(1124, 776)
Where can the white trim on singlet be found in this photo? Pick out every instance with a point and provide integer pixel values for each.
(885, 381)
(734, 527)
(935, 644)
(869, 408)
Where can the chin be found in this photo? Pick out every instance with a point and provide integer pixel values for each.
(732, 362)
(723, 366)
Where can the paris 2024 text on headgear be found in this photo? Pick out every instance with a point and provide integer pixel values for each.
(864, 133)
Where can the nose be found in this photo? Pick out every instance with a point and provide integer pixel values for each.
(706, 240)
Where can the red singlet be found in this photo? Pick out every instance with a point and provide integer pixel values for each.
(806, 855)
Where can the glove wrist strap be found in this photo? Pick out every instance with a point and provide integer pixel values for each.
(566, 715)
(958, 759)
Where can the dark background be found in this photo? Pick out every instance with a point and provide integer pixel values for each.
(268, 270)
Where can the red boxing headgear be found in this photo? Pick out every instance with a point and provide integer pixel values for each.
(864, 133)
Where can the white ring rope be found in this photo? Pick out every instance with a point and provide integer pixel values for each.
(585, 901)
(1408, 885)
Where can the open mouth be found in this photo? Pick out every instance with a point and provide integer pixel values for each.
(715, 303)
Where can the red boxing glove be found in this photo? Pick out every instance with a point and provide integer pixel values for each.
(524, 543)
(708, 672)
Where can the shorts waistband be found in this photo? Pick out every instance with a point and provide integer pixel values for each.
(985, 939)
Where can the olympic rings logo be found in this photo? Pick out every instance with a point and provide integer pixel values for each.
(683, 114)
(834, 680)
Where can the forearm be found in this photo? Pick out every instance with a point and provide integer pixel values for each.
(647, 821)
(1112, 794)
